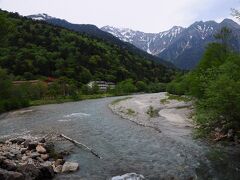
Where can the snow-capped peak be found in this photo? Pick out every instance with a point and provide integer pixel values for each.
(40, 17)
(145, 41)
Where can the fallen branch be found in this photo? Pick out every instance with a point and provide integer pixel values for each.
(80, 144)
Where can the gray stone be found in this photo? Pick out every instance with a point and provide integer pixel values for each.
(15, 151)
(32, 145)
(59, 162)
(40, 149)
(9, 155)
(47, 172)
(10, 175)
(23, 150)
(46, 163)
(45, 157)
(17, 140)
(58, 169)
(2, 158)
(70, 167)
(42, 140)
(26, 143)
(30, 161)
(40, 159)
(30, 171)
(34, 155)
(9, 165)
(24, 157)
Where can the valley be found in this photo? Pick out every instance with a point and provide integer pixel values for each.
(81, 98)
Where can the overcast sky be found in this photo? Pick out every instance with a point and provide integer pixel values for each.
(144, 15)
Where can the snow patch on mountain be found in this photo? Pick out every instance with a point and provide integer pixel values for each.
(40, 17)
(153, 43)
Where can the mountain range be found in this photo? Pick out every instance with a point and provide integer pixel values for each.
(182, 47)
(95, 32)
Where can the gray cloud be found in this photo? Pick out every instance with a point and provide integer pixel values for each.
(145, 15)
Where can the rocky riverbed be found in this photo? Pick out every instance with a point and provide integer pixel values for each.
(156, 111)
(22, 158)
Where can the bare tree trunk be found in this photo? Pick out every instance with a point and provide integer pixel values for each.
(78, 143)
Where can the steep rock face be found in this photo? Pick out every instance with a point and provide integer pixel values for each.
(183, 47)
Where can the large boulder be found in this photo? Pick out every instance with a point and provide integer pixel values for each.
(70, 167)
(129, 176)
(10, 175)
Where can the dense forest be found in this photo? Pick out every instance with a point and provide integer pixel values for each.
(31, 50)
(215, 86)
(35, 49)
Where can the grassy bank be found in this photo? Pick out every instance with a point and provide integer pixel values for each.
(64, 100)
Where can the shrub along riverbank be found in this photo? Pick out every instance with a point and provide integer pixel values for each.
(215, 84)
(14, 96)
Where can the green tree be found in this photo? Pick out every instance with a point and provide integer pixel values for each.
(5, 84)
(141, 86)
(125, 87)
(224, 35)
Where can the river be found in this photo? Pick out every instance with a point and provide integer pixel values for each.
(124, 146)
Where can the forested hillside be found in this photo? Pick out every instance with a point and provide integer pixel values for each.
(33, 49)
(95, 32)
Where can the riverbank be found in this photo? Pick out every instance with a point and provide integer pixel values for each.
(157, 111)
(171, 116)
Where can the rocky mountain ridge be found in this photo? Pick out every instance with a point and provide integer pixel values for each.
(183, 47)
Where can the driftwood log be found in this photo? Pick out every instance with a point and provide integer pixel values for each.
(80, 144)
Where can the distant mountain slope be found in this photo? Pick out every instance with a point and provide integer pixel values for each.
(183, 47)
(94, 31)
(149, 42)
(35, 48)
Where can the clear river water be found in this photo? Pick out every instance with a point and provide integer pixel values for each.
(124, 146)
